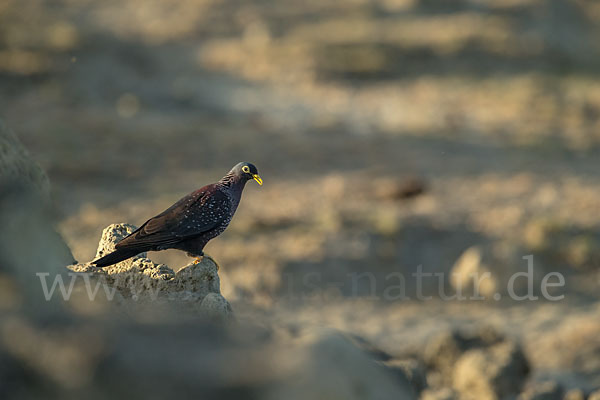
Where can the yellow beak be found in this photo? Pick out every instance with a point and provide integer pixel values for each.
(258, 179)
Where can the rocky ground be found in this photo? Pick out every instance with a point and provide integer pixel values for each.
(459, 136)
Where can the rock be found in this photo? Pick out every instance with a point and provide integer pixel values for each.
(395, 190)
(538, 234)
(329, 366)
(375, 352)
(438, 394)
(113, 234)
(201, 277)
(435, 379)
(443, 350)
(119, 358)
(408, 372)
(215, 305)
(558, 243)
(30, 244)
(195, 286)
(594, 395)
(574, 394)
(16, 164)
(491, 373)
(158, 272)
(169, 355)
(470, 275)
(481, 364)
(31, 251)
(409, 369)
(486, 271)
(542, 391)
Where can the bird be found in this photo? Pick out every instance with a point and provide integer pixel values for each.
(191, 222)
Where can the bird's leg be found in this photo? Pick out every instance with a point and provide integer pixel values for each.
(199, 258)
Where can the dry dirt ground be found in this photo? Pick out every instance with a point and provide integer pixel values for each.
(493, 107)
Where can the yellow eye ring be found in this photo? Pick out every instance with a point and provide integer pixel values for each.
(246, 169)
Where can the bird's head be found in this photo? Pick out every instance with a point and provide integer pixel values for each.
(247, 172)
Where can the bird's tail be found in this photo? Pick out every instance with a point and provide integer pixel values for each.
(115, 257)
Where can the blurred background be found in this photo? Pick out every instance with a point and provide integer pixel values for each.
(389, 133)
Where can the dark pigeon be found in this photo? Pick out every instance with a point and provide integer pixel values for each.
(190, 223)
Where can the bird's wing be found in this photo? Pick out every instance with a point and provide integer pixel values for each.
(191, 216)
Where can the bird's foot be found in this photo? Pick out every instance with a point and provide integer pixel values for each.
(198, 259)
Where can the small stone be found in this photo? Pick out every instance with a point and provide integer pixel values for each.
(548, 390)
(594, 395)
(470, 275)
(438, 394)
(489, 270)
(391, 189)
(574, 394)
(443, 350)
(493, 373)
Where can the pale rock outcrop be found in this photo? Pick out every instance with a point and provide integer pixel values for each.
(139, 279)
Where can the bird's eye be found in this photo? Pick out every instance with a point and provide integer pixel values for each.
(246, 169)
